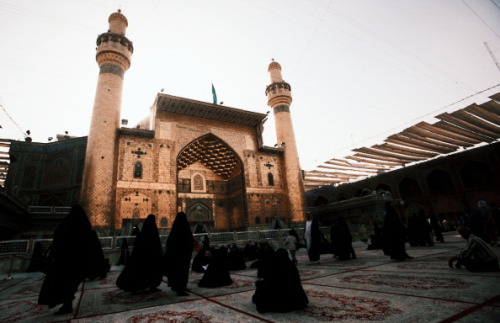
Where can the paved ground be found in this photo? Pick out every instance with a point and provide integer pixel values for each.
(369, 288)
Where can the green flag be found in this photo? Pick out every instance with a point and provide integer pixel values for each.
(214, 95)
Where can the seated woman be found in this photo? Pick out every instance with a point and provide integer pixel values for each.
(201, 260)
(217, 272)
(266, 253)
(236, 260)
(280, 289)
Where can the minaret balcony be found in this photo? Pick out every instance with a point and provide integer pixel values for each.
(277, 86)
(115, 38)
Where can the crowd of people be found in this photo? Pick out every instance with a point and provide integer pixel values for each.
(76, 255)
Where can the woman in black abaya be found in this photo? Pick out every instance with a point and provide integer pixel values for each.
(341, 238)
(100, 266)
(280, 290)
(143, 270)
(217, 273)
(177, 257)
(201, 260)
(71, 253)
(37, 258)
(394, 236)
(124, 252)
(235, 259)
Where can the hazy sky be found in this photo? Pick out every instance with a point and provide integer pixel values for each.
(360, 70)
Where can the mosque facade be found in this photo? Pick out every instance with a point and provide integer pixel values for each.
(201, 158)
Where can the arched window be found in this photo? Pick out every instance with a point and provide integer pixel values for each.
(270, 179)
(138, 170)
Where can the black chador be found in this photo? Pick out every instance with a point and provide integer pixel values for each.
(124, 252)
(341, 238)
(71, 255)
(394, 235)
(100, 264)
(264, 261)
(235, 258)
(201, 260)
(280, 290)
(37, 258)
(143, 270)
(177, 257)
(217, 273)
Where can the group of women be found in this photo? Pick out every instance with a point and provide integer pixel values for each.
(76, 255)
(340, 244)
(392, 237)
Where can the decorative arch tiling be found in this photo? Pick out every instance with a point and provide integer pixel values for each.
(212, 153)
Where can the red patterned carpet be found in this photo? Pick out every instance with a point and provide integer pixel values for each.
(371, 288)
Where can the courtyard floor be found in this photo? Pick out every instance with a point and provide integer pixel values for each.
(371, 288)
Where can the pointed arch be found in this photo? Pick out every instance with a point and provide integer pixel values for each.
(198, 213)
(440, 181)
(213, 153)
(409, 188)
(220, 185)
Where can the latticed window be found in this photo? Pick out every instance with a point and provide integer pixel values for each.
(138, 170)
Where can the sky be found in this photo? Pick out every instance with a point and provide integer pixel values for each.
(360, 70)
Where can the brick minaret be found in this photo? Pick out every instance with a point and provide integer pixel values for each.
(279, 99)
(114, 52)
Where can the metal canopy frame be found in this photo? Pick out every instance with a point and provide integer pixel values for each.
(464, 128)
